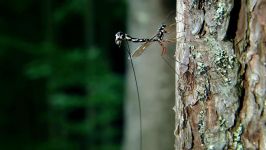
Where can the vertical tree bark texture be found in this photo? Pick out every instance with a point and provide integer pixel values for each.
(221, 92)
(156, 83)
(250, 44)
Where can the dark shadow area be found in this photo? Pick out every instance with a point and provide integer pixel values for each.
(231, 32)
(61, 75)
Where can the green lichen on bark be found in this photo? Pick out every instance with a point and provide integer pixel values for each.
(237, 143)
(213, 95)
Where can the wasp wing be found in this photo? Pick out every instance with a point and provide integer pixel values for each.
(141, 49)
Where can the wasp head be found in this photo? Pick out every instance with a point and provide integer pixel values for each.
(162, 28)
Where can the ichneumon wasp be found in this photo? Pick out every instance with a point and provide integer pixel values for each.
(165, 35)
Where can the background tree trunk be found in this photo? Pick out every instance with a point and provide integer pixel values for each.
(156, 83)
(220, 95)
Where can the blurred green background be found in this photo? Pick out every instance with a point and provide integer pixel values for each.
(61, 74)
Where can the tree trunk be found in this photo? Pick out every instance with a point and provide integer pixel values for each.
(156, 83)
(220, 93)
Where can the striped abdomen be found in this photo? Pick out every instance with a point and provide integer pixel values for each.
(138, 40)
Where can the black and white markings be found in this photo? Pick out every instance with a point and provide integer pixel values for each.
(158, 37)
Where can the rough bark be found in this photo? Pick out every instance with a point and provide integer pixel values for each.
(156, 83)
(250, 44)
(220, 94)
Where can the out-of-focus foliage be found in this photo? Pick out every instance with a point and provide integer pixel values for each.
(59, 87)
